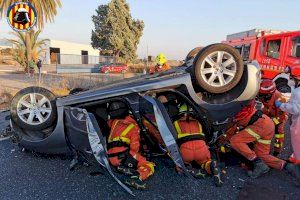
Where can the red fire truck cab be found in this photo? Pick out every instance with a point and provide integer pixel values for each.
(273, 50)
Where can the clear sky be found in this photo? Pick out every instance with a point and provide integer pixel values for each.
(176, 26)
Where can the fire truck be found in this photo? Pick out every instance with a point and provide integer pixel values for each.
(273, 50)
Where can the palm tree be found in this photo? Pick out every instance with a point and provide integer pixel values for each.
(46, 10)
(20, 53)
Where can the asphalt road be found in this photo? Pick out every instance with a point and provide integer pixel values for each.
(24, 175)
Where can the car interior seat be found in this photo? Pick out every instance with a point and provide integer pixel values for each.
(101, 115)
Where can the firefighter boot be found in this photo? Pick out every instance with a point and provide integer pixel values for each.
(136, 183)
(291, 169)
(217, 173)
(260, 168)
(127, 171)
(298, 175)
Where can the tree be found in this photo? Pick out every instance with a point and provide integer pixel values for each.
(20, 54)
(116, 32)
(46, 11)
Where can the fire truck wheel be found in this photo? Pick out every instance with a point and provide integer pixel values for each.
(218, 68)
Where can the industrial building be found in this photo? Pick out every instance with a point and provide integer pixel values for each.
(62, 52)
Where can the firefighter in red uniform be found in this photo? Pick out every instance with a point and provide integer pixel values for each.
(268, 95)
(193, 148)
(161, 64)
(124, 145)
(253, 126)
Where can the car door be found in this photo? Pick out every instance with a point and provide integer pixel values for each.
(83, 135)
(154, 111)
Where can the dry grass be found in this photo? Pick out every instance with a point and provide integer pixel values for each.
(140, 67)
(5, 99)
(62, 85)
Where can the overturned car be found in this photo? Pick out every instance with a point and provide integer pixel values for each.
(216, 85)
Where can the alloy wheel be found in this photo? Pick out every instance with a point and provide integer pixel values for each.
(34, 108)
(218, 69)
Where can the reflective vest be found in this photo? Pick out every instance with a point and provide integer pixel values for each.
(186, 128)
(119, 131)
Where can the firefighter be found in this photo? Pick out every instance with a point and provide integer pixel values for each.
(268, 95)
(193, 148)
(252, 126)
(293, 107)
(161, 64)
(124, 145)
(150, 125)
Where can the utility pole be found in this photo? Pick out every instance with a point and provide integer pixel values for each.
(147, 58)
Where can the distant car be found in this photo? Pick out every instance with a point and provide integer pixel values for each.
(114, 68)
(216, 85)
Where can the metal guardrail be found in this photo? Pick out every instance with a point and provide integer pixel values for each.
(77, 69)
(66, 59)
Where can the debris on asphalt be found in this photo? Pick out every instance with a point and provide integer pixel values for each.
(6, 133)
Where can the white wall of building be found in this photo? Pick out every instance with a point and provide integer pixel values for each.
(73, 48)
(71, 52)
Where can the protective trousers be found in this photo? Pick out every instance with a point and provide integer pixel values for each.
(260, 133)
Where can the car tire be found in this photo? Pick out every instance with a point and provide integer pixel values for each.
(189, 60)
(192, 54)
(218, 68)
(34, 108)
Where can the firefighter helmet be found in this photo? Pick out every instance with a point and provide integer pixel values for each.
(161, 59)
(118, 110)
(267, 87)
(183, 109)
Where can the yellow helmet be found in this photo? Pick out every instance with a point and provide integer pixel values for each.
(161, 59)
(183, 108)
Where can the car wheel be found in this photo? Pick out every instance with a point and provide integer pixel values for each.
(192, 54)
(218, 68)
(34, 108)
